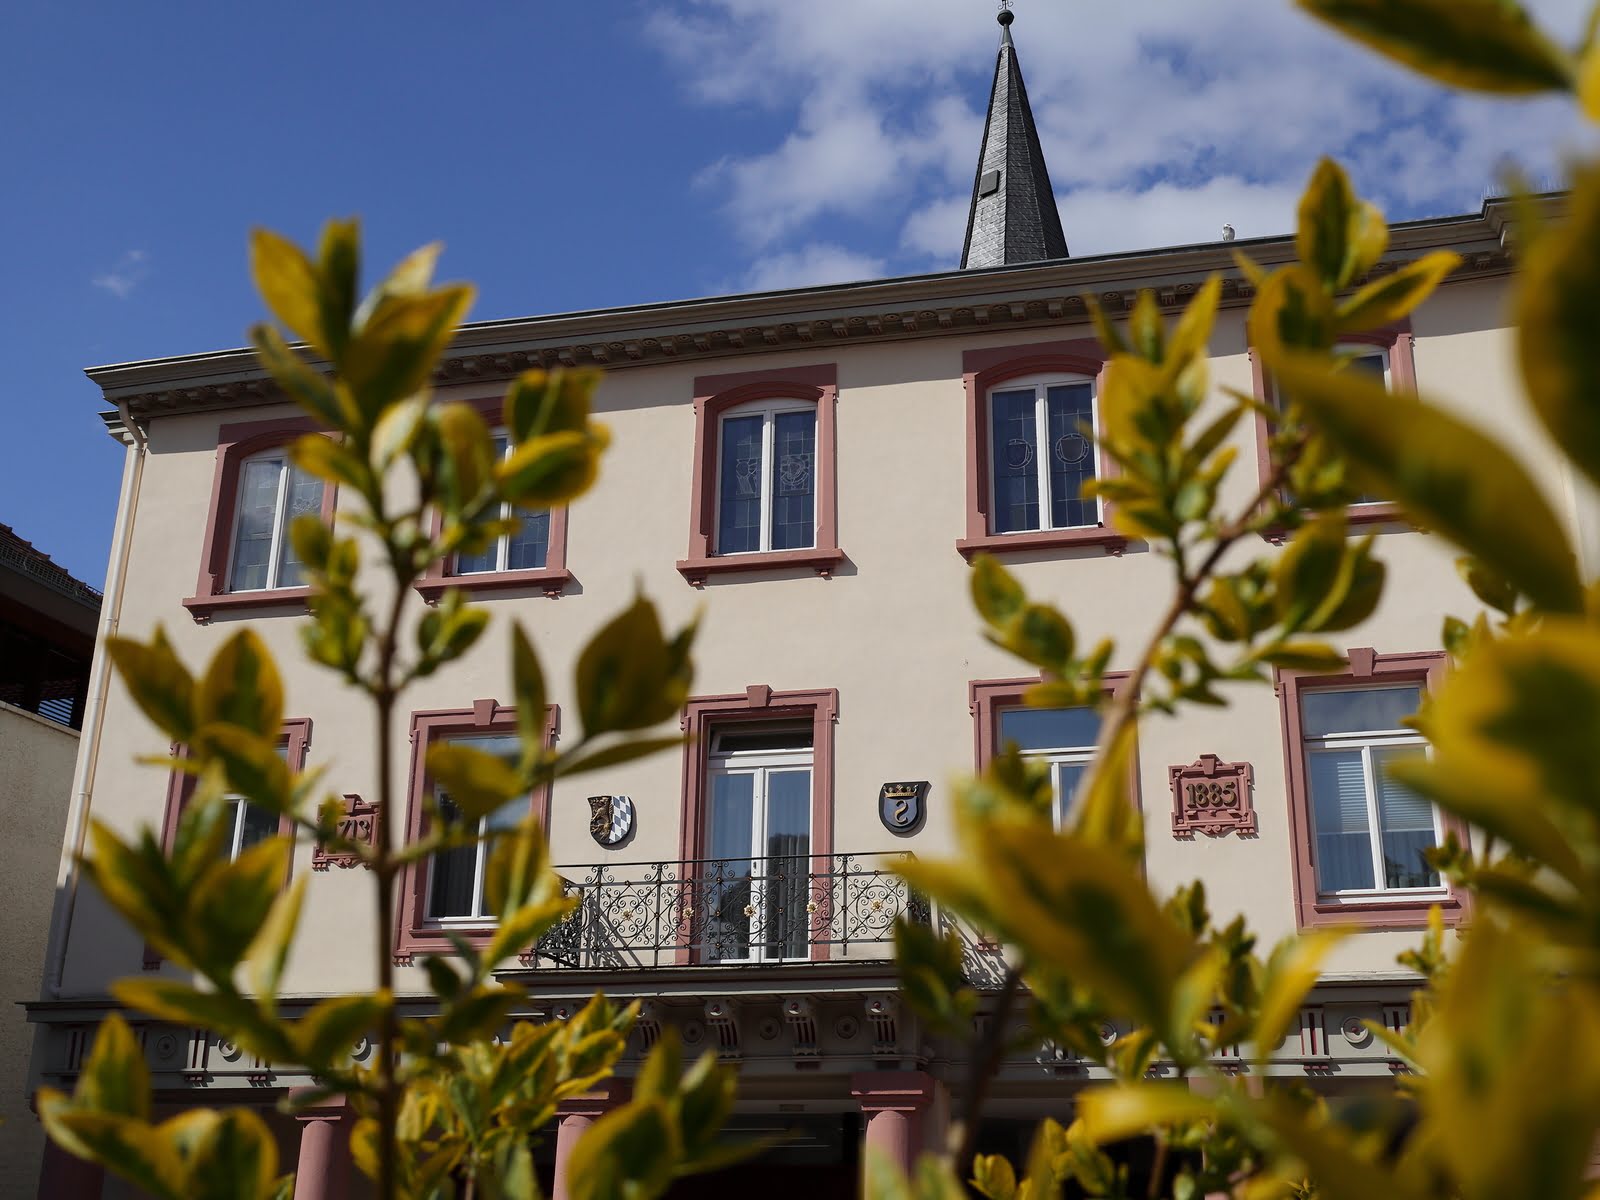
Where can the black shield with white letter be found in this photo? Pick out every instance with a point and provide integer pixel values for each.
(900, 805)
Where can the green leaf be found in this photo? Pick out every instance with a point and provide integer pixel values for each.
(328, 1032)
(1485, 45)
(527, 686)
(542, 402)
(1039, 634)
(158, 682)
(1192, 331)
(307, 387)
(339, 281)
(629, 676)
(115, 1079)
(468, 453)
(233, 1015)
(1302, 656)
(518, 868)
(122, 1144)
(1387, 300)
(994, 1176)
(1145, 327)
(996, 594)
(230, 904)
(1339, 235)
(1557, 291)
(477, 783)
(629, 1152)
(270, 950)
(237, 1157)
(553, 468)
(288, 281)
(251, 763)
(1292, 971)
(398, 347)
(322, 456)
(1112, 1113)
(396, 431)
(241, 687)
(1445, 474)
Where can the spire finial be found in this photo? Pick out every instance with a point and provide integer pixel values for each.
(1005, 16)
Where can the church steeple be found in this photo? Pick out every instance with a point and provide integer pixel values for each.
(1013, 218)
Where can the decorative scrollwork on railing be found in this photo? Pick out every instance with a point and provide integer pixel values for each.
(717, 911)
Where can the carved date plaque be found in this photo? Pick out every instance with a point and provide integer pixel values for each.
(357, 823)
(1212, 797)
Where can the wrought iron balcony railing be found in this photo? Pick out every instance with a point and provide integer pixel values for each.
(723, 911)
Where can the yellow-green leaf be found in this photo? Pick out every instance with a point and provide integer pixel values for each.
(288, 281)
(115, 1078)
(1446, 475)
(477, 783)
(629, 676)
(1339, 235)
(329, 1031)
(1557, 294)
(229, 905)
(269, 951)
(1487, 45)
(542, 402)
(241, 687)
(996, 593)
(1112, 1113)
(158, 682)
(553, 468)
(1292, 971)
(236, 1157)
(1387, 300)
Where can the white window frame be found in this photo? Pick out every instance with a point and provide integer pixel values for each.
(241, 807)
(1041, 385)
(1368, 350)
(480, 851)
(280, 524)
(769, 411)
(760, 764)
(1055, 756)
(1365, 740)
(502, 544)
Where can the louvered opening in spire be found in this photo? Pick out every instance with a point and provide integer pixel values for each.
(1013, 218)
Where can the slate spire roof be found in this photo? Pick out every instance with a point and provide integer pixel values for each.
(1013, 218)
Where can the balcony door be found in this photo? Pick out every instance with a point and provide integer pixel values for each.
(755, 882)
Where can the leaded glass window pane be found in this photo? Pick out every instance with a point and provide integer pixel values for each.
(259, 484)
(1071, 411)
(1013, 445)
(739, 505)
(527, 548)
(305, 496)
(794, 480)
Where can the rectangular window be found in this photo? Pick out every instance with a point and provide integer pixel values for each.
(272, 493)
(1042, 455)
(248, 823)
(1371, 833)
(766, 486)
(455, 884)
(525, 548)
(1064, 738)
(756, 883)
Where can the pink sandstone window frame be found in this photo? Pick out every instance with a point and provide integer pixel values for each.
(715, 395)
(1398, 342)
(1425, 668)
(757, 703)
(988, 698)
(552, 578)
(294, 736)
(237, 442)
(414, 933)
(984, 370)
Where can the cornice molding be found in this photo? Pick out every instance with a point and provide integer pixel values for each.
(1037, 296)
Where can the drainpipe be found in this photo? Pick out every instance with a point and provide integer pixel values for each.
(68, 873)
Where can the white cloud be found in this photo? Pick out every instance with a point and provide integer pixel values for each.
(128, 273)
(811, 264)
(1159, 122)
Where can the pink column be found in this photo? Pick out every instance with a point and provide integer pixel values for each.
(893, 1103)
(65, 1176)
(574, 1115)
(323, 1169)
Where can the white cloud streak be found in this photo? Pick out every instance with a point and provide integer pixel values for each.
(1159, 121)
(128, 273)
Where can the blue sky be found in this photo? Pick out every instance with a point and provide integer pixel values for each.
(577, 155)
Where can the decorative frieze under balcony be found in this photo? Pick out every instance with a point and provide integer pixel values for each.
(730, 912)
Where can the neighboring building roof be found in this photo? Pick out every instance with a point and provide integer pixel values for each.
(18, 554)
(1013, 218)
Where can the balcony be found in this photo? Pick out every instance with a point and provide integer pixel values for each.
(730, 912)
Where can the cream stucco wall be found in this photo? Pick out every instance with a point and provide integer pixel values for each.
(892, 630)
(36, 760)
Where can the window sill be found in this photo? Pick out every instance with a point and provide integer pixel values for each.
(436, 939)
(552, 583)
(822, 560)
(1044, 539)
(1407, 913)
(1356, 516)
(201, 608)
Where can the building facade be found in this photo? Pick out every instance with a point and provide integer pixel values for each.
(814, 470)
